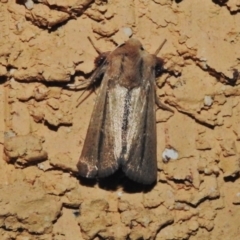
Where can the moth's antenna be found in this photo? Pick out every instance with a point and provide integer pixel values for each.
(160, 47)
(94, 46)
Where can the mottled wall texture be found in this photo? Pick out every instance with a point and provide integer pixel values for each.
(44, 46)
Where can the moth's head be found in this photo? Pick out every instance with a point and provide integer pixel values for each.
(134, 43)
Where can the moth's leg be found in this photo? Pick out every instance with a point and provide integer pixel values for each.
(100, 68)
(79, 86)
(161, 105)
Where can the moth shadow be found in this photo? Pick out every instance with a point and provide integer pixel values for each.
(87, 181)
(118, 179)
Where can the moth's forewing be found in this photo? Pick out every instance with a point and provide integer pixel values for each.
(97, 158)
(141, 161)
(88, 162)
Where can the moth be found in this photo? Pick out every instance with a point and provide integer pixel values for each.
(122, 129)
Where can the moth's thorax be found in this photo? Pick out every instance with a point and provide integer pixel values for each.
(126, 63)
(130, 64)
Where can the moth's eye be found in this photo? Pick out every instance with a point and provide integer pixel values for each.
(159, 67)
(158, 71)
(142, 48)
(100, 59)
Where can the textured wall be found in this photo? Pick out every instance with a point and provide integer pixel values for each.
(44, 45)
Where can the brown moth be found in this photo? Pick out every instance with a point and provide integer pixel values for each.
(122, 130)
